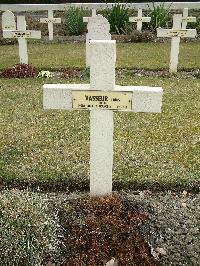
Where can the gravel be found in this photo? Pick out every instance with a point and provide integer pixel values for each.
(173, 227)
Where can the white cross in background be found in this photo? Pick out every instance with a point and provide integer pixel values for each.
(94, 13)
(101, 97)
(139, 19)
(50, 20)
(186, 19)
(176, 33)
(22, 34)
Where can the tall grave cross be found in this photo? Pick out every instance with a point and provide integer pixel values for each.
(101, 97)
(22, 34)
(50, 20)
(98, 29)
(176, 33)
(139, 19)
(186, 18)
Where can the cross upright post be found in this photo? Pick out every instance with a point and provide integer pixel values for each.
(186, 18)
(50, 20)
(22, 34)
(139, 19)
(175, 34)
(101, 97)
(98, 29)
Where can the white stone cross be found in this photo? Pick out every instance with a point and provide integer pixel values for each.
(8, 21)
(98, 29)
(139, 19)
(175, 33)
(50, 20)
(186, 18)
(102, 97)
(22, 34)
(94, 13)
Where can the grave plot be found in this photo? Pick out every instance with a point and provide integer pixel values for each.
(102, 138)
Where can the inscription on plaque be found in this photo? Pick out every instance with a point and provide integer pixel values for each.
(102, 100)
(177, 33)
(22, 34)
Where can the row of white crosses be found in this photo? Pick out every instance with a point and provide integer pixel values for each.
(176, 33)
(19, 32)
(101, 97)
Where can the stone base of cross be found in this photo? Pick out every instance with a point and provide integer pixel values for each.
(175, 33)
(22, 34)
(139, 19)
(101, 97)
(50, 20)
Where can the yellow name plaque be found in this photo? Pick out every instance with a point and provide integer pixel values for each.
(22, 34)
(110, 100)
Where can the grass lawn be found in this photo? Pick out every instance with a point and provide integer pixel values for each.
(135, 55)
(51, 148)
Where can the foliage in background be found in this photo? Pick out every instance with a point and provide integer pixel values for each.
(73, 20)
(27, 231)
(99, 229)
(118, 17)
(159, 17)
(19, 71)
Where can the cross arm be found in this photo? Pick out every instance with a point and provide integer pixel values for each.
(184, 33)
(137, 19)
(50, 20)
(144, 99)
(36, 34)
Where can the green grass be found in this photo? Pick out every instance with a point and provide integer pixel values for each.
(135, 55)
(51, 148)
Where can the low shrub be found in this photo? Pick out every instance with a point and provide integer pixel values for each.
(71, 73)
(5, 41)
(27, 231)
(98, 229)
(19, 71)
(73, 21)
(144, 36)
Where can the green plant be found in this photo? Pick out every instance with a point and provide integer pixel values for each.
(118, 17)
(73, 21)
(19, 71)
(159, 17)
(27, 231)
(98, 229)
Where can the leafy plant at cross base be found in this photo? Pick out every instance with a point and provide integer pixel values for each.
(73, 22)
(159, 17)
(98, 229)
(118, 17)
(19, 71)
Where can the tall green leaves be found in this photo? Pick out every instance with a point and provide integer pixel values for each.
(159, 17)
(118, 17)
(73, 21)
